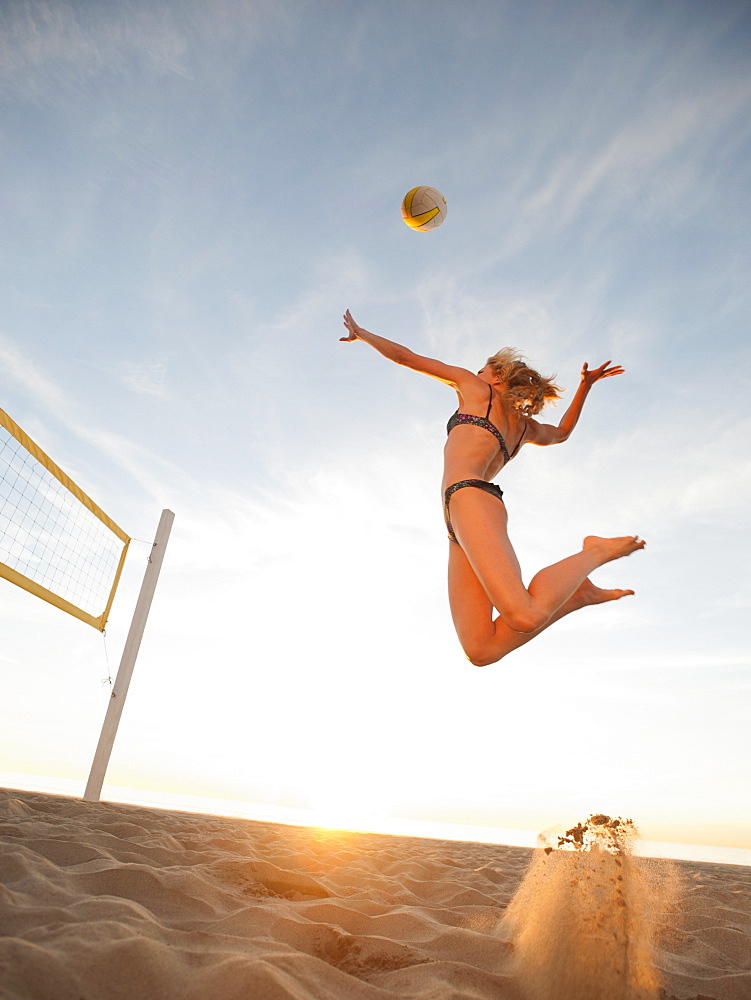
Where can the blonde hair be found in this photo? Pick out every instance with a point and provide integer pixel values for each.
(527, 391)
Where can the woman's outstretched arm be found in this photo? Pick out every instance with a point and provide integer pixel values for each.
(449, 374)
(544, 434)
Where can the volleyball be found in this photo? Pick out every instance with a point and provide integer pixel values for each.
(423, 208)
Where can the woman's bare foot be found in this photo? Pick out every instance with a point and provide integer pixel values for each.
(588, 594)
(608, 549)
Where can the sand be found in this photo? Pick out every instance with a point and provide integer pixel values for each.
(101, 901)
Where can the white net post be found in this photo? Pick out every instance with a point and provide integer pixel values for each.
(60, 546)
(128, 660)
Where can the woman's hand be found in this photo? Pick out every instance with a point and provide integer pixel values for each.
(590, 377)
(352, 328)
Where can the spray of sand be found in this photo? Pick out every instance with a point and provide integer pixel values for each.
(584, 921)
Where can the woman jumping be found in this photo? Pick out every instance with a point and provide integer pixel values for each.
(494, 420)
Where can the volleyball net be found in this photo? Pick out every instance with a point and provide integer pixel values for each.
(55, 542)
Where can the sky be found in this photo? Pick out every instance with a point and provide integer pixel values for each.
(193, 193)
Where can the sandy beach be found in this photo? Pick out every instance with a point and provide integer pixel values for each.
(111, 902)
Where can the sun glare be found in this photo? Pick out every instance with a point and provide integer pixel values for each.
(340, 805)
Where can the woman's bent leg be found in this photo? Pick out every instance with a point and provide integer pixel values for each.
(486, 640)
(479, 521)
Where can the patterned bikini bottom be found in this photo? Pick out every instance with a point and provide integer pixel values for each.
(479, 484)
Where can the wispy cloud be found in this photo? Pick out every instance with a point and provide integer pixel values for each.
(464, 327)
(54, 51)
(146, 378)
(47, 48)
(653, 160)
(23, 371)
(152, 472)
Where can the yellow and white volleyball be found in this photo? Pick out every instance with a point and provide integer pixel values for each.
(423, 208)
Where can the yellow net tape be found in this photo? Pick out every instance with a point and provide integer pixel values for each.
(55, 542)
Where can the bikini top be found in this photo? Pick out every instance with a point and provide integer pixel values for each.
(484, 422)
